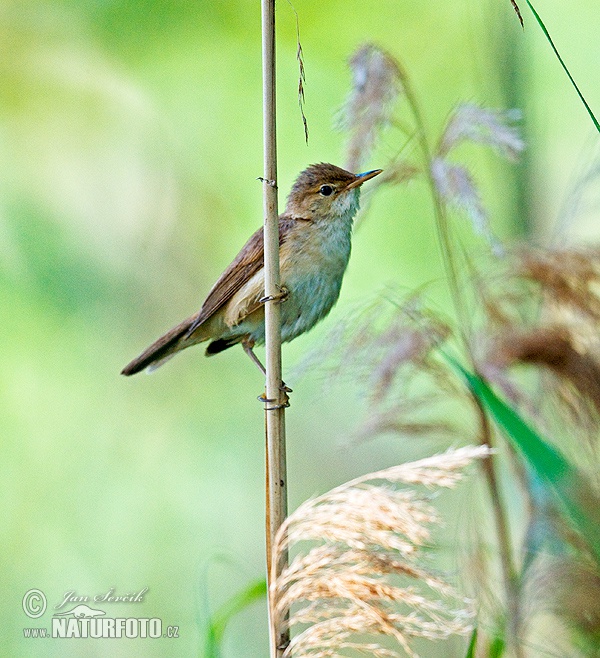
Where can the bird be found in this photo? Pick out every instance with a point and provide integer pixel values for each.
(315, 233)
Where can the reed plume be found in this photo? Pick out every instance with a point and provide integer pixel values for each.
(358, 581)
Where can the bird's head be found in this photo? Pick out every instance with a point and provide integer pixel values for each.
(324, 191)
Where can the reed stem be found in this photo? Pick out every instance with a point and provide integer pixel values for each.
(276, 478)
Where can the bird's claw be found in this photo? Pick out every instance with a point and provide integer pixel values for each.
(281, 405)
(268, 181)
(280, 297)
(284, 404)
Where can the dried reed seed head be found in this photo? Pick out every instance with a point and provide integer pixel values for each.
(392, 520)
(376, 73)
(351, 586)
(363, 577)
(566, 343)
(359, 561)
(343, 613)
(456, 187)
(325, 559)
(482, 125)
(338, 625)
(443, 470)
(330, 637)
(376, 342)
(570, 282)
(549, 346)
(376, 85)
(569, 277)
(454, 183)
(555, 349)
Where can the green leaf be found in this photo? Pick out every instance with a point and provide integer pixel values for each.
(570, 487)
(472, 644)
(219, 620)
(497, 647)
(562, 63)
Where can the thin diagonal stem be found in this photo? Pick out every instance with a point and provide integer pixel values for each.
(511, 580)
(450, 265)
(441, 217)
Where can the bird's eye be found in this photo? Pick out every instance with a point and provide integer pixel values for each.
(326, 190)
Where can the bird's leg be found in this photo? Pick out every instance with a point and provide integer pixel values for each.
(280, 297)
(248, 344)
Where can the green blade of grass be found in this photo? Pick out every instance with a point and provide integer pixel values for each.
(497, 647)
(472, 645)
(219, 620)
(562, 63)
(570, 487)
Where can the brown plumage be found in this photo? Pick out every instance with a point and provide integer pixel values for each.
(314, 248)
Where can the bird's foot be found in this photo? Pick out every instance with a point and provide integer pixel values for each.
(280, 297)
(282, 403)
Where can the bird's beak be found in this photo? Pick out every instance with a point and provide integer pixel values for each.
(361, 178)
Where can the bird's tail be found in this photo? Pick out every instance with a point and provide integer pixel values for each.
(165, 348)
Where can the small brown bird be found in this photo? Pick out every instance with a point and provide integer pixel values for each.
(314, 248)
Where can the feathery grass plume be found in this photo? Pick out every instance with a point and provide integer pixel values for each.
(377, 341)
(568, 281)
(543, 308)
(560, 335)
(554, 348)
(360, 584)
(566, 400)
(376, 86)
(456, 186)
(483, 125)
(566, 586)
(387, 346)
(454, 183)
(567, 277)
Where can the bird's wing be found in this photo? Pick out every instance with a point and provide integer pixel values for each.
(244, 266)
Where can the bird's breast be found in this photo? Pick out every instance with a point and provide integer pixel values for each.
(312, 268)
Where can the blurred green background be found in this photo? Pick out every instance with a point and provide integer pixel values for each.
(130, 141)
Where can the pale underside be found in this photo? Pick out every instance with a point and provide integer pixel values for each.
(311, 275)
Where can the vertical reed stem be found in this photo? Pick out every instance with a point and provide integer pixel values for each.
(276, 478)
